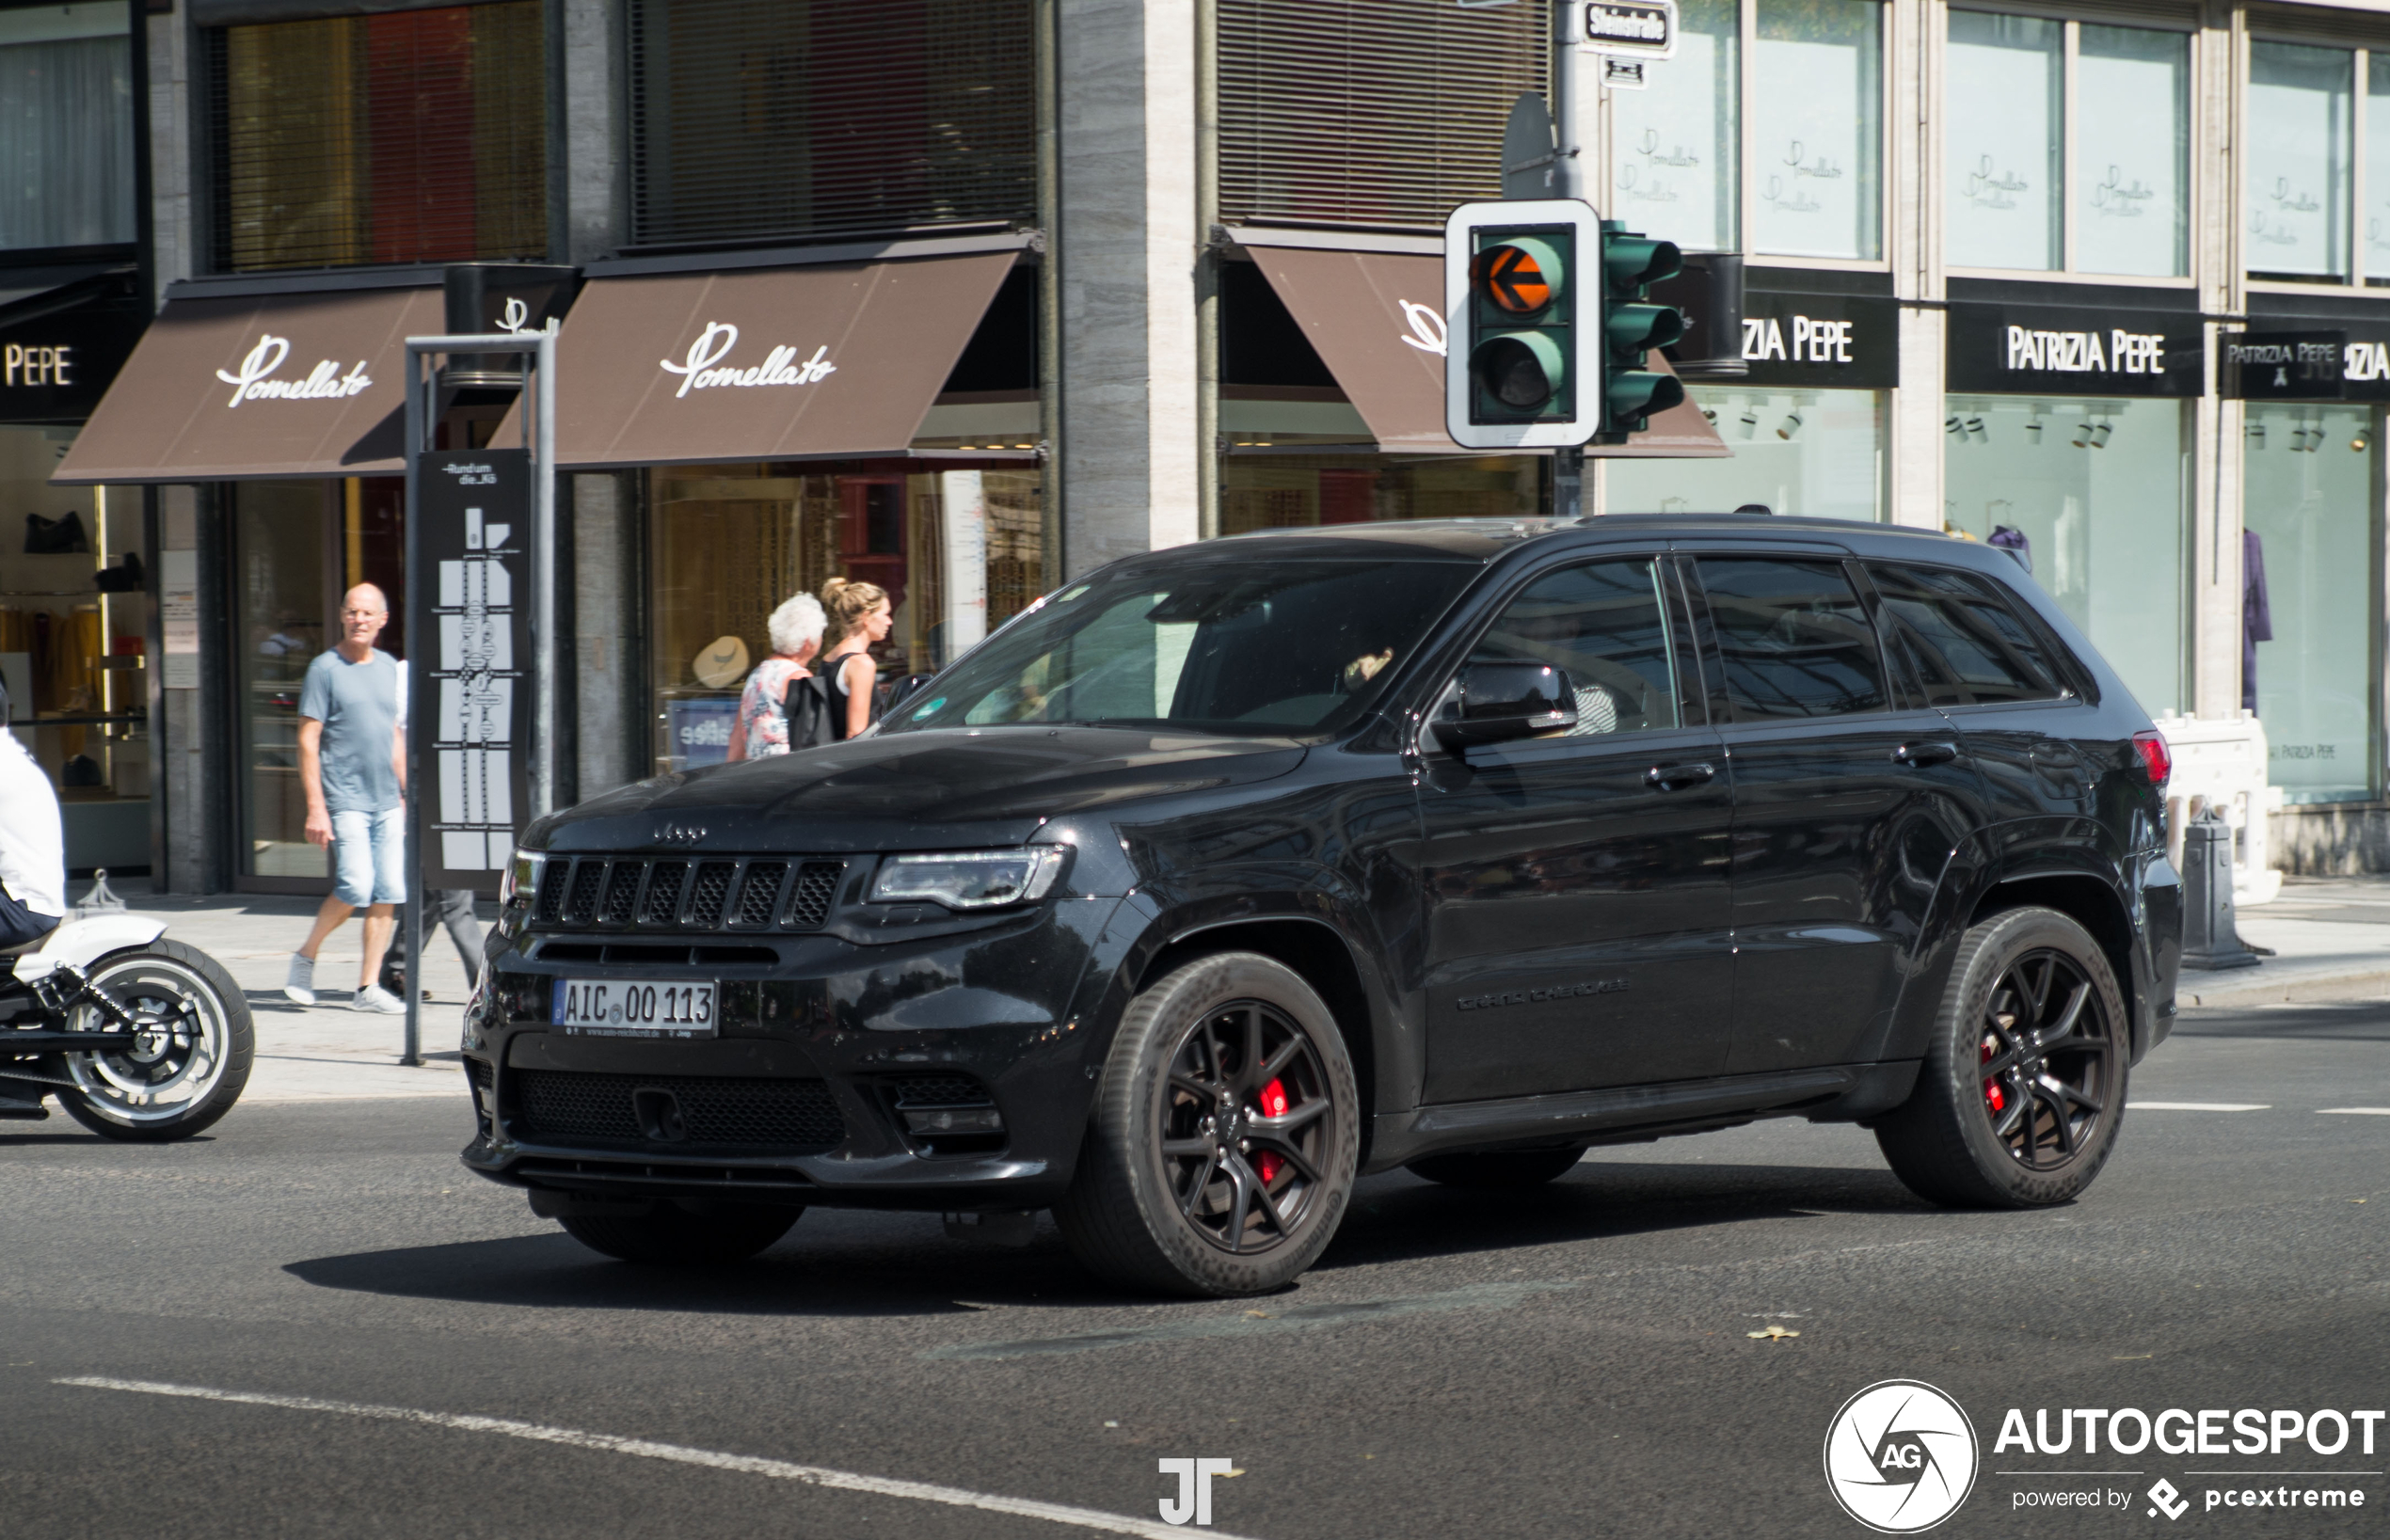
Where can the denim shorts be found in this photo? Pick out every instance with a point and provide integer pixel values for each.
(369, 857)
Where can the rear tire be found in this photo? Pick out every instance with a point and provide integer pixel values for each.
(1497, 1168)
(1226, 1130)
(672, 1235)
(178, 1080)
(2022, 1090)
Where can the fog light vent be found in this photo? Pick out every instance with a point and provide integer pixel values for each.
(953, 1121)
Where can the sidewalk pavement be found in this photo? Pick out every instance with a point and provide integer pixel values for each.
(325, 1052)
(2331, 937)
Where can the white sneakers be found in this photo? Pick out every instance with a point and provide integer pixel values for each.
(299, 988)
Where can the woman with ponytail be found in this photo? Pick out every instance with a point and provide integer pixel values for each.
(859, 615)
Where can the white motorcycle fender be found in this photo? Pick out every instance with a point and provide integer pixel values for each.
(81, 942)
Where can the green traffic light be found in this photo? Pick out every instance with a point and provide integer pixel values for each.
(1634, 394)
(1634, 263)
(1633, 328)
(1522, 370)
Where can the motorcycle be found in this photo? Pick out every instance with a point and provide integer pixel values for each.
(141, 1039)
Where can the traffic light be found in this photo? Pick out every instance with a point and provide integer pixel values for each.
(1522, 309)
(1630, 264)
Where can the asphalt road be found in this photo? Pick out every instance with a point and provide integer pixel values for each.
(1574, 1361)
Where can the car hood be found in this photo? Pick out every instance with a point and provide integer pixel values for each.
(911, 789)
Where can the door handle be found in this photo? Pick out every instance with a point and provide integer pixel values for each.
(1669, 777)
(1918, 755)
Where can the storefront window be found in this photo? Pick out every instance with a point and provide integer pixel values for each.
(1678, 142)
(73, 620)
(2376, 222)
(2133, 200)
(280, 601)
(2094, 487)
(405, 137)
(2006, 138)
(959, 551)
(2299, 151)
(1818, 119)
(1817, 453)
(66, 126)
(2308, 551)
(1297, 491)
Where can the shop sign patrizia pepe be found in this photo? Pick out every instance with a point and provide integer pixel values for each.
(703, 368)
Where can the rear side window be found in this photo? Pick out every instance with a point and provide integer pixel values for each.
(1968, 645)
(1605, 625)
(1794, 638)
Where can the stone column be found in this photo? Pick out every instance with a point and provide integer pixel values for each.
(1131, 455)
(1913, 162)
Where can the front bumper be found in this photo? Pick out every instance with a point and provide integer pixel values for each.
(802, 1099)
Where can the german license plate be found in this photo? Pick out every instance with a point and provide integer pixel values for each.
(633, 1008)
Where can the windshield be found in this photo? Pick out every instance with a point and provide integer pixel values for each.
(1249, 644)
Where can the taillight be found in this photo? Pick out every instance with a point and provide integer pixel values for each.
(2155, 757)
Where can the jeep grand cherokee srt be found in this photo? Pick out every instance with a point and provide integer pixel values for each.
(1236, 871)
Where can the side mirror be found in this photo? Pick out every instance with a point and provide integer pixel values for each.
(1498, 701)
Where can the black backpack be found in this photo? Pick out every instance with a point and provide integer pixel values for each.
(812, 712)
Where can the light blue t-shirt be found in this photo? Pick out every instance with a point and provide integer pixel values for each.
(361, 706)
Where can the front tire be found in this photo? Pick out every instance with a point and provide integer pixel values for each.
(185, 1070)
(1225, 1136)
(1491, 1169)
(672, 1235)
(2017, 1102)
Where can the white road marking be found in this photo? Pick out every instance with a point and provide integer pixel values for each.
(2357, 1112)
(2199, 1106)
(952, 1497)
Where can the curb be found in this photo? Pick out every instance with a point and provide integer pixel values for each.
(2330, 989)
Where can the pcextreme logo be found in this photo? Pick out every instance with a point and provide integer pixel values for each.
(1900, 1457)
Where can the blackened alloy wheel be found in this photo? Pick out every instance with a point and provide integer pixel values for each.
(1222, 1145)
(1245, 1126)
(2017, 1102)
(2048, 1060)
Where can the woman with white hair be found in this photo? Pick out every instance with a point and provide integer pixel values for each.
(762, 728)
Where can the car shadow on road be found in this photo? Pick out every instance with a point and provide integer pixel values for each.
(834, 1276)
(1398, 1218)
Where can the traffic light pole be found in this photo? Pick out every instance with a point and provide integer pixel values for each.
(1569, 79)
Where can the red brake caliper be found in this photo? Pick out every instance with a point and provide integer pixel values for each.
(1992, 1092)
(1274, 1101)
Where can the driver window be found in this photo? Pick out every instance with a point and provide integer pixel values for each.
(1604, 624)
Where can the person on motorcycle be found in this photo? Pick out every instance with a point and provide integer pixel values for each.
(33, 847)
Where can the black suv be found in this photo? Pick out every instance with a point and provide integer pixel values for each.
(1235, 871)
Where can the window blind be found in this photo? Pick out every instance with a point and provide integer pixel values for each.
(1380, 113)
(406, 136)
(763, 119)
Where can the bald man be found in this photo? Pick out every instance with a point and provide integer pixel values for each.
(353, 764)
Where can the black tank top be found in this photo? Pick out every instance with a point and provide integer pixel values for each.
(833, 670)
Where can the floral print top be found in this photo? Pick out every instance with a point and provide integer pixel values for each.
(763, 712)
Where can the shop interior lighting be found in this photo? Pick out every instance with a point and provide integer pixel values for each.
(2099, 435)
(1751, 421)
(2033, 431)
(1790, 427)
(1975, 430)
(2082, 436)
(2358, 443)
(1954, 426)
(2256, 435)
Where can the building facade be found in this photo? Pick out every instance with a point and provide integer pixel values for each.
(965, 300)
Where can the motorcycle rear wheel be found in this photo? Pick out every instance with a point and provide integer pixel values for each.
(185, 1070)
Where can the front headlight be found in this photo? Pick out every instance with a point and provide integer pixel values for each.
(970, 879)
(522, 877)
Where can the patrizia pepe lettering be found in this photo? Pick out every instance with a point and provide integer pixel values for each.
(325, 382)
(2081, 353)
(779, 367)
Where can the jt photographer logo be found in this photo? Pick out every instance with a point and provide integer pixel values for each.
(1900, 1457)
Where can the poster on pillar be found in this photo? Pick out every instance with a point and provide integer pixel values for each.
(471, 706)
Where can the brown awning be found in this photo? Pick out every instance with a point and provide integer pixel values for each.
(1376, 320)
(765, 364)
(278, 385)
